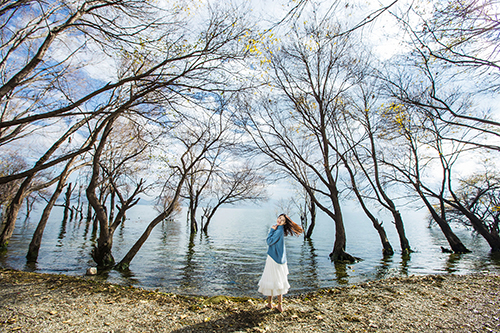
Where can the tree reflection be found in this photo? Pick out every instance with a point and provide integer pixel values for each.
(452, 262)
(405, 259)
(307, 274)
(62, 231)
(30, 266)
(342, 277)
(188, 271)
(383, 269)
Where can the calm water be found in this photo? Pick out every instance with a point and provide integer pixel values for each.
(230, 259)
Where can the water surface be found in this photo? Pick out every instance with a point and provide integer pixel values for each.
(230, 259)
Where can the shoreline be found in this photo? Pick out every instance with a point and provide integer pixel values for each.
(37, 302)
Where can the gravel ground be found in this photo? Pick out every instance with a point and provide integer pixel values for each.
(31, 302)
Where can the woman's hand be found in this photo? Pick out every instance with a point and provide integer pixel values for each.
(274, 226)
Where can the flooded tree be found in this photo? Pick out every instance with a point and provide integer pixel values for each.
(234, 185)
(298, 126)
(413, 158)
(25, 188)
(193, 140)
(101, 252)
(478, 196)
(430, 87)
(36, 240)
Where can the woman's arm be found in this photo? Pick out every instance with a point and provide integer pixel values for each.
(274, 235)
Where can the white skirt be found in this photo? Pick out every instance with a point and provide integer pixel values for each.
(274, 279)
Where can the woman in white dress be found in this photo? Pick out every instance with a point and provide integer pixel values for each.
(274, 280)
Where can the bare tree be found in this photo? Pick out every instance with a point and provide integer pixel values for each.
(232, 186)
(363, 155)
(102, 250)
(196, 183)
(298, 129)
(413, 160)
(36, 240)
(25, 188)
(306, 206)
(480, 194)
(197, 139)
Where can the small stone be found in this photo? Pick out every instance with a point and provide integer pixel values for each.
(91, 271)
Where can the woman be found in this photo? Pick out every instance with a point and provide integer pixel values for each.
(274, 281)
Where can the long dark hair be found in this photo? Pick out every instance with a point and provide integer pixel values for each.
(291, 228)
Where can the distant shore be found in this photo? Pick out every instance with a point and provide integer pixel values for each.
(32, 302)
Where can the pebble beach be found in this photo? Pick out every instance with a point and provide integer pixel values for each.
(33, 302)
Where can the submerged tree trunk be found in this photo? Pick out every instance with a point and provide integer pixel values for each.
(386, 245)
(11, 215)
(101, 252)
(398, 221)
(67, 201)
(125, 262)
(36, 240)
(312, 211)
(338, 253)
(112, 204)
(210, 215)
(192, 216)
(492, 238)
(455, 243)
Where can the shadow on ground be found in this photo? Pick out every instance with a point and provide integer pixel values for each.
(237, 321)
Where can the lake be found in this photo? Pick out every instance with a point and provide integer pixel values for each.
(230, 259)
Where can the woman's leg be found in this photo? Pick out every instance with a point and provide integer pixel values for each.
(280, 303)
(269, 302)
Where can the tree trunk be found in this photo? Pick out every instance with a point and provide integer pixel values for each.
(112, 205)
(102, 252)
(125, 262)
(13, 211)
(398, 221)
(192, 217)
(312, 211)
(455, 243)
(338, 253)
(67, 202)
(62, 230)
(492, 238)
(10, 219)
(387, 248)
(210, 216)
